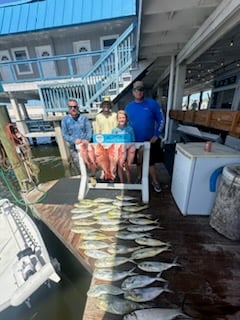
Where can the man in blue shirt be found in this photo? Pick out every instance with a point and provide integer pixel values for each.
(76, 128)
(146, 117)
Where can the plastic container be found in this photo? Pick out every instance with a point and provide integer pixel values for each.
(225, 215)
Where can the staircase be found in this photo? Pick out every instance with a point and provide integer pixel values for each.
(108, 77)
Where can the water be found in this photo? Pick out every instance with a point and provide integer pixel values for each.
(66, 299)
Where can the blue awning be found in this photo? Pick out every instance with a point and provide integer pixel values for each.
(29, 16)
(5, 3)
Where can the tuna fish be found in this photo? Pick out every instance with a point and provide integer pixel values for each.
(148, 252)
(144, 294)
(96, 254)
(142, 221)
(121, 249)
(93, 244)
(140, 228)
(100, 289)
(151, 242)
(155, 266)
(116, 305)
(112, 262)
(135, 208)
(112, 275)
(155, 314)
(139, 281)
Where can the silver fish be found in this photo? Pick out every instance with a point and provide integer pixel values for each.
(112, 262)
(83, 229)
(142, 221)
(116, 305)
(148, 252)
(136, 208)
(139, 281)
(101, 210)
(80, 210)
(84, 205)
(93, 244)
(112, 275)
(155, 266)
(112, 228)
(155, 314)
(100, 289)
(96, 254)
(96, 236)
(144, 294)
(130, 215)
(140, 228)
(83, 215)
(125, 235)
(151, 242)
(121, 204)
(121, 249)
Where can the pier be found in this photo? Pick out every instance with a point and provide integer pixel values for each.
(208, 280)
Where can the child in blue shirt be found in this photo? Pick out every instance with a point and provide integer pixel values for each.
(122, 125)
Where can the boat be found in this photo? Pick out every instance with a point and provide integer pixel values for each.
(25, 264)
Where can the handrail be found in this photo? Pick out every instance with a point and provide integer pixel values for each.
(104, 78)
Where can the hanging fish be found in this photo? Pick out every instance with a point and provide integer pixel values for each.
(131, 154)
(102, 160)
(91, 156)
(113, 158)
(83, 149)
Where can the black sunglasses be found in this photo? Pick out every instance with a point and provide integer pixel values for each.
(138, 89)
(72, 107)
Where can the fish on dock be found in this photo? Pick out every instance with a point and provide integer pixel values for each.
(155, 314)
(121, 249)
(100, 289)
(156, 266)
(93, 244)
(151, 242)
(126, 235)
(148, 252)
(135, 208)
(112, 262)
(144, 294)
(143, 221)
(96, 254)
(116, 305)
(112, 275)
(141, 228)
(139, 281)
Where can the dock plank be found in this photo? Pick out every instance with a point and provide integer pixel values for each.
(208, 279)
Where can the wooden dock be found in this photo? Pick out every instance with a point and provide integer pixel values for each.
(208, 281)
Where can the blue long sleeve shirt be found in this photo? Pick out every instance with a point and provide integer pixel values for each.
(73, 129)
(146, 118)
(123, 130)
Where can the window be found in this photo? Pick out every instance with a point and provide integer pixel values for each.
(22, 54)
(107, 41)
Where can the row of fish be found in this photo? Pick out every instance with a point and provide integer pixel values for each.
(107, 159)
(135, 292)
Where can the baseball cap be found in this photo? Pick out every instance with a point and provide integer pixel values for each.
(138, 84)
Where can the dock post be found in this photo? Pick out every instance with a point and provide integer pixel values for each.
(10, 149)
(64, 151)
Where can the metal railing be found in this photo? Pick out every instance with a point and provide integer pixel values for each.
(107, 77)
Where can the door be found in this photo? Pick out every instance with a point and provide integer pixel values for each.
(48, 67)
(5, 70)
(83, 64)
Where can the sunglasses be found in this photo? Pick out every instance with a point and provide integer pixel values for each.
(72, 107)
(138, 89)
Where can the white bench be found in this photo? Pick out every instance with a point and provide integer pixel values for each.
(143, 186)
